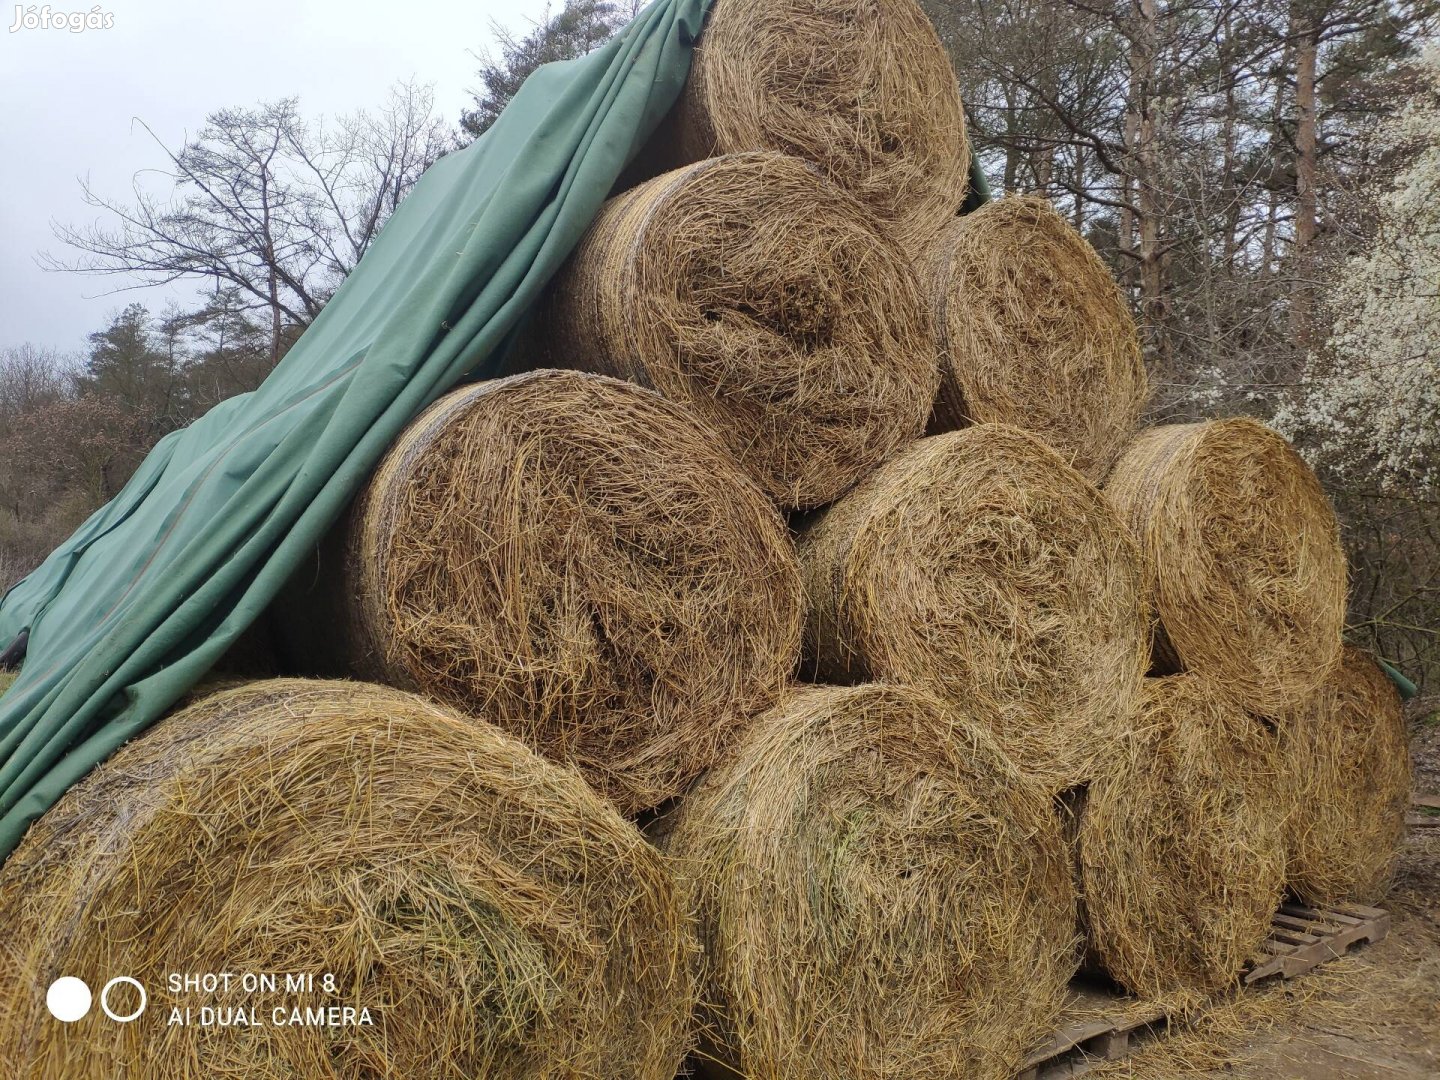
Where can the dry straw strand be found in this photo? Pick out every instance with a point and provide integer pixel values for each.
(862, 88)
(1180, 843)
(577, 560)
(762, 298)
(495, 916)
(1034, 332)
(880, 894)
(978, 565)
(1243, 558)
(1348, 752)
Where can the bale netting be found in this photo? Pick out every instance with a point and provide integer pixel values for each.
(865, 91)
(880, 893)
(577, 560)
(453, 904)
(1180, 843)
(978, 565)
(762, 298)
(1034, 332)
(1242, 556)
(1348, 753)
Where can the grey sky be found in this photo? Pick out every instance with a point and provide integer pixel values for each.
(68, 100)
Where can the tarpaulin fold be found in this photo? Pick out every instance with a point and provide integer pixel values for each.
(133, 609)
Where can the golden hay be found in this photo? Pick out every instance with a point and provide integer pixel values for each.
(495, 916)
(1243, 558)
(1180, 846)
(762, 298)
(880, 894)
(1034, 332)
(978, 565)
(864, 90)
(575, 559)
(1349, 754)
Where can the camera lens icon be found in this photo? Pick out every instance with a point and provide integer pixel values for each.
(69, 999)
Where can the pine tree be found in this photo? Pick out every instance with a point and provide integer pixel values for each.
(581, 27)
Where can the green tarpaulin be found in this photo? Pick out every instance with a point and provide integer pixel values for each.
(141, 601)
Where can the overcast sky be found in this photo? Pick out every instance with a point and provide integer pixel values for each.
(68, 102)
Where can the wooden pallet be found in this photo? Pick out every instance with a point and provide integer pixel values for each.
(1106, 1026)
(1108, 1029)
(1302, 938)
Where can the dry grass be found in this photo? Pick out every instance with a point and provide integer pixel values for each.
(485, 905)
(575, 559)
(1034, 332)
(978, 565)
(1206, 1036)
(1346, 750)
(864, 90)
(880, 894)
(1242, 555)
(762, 298)
(1180, 843)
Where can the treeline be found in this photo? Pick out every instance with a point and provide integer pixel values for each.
(74, 427)
(1263, 177)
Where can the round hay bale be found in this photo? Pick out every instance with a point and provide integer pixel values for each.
(491, 914)
(880, 893)
(1242, 556)
(1034, 332)
(764, 300)
(1349, 757)
(1180, 843)
(575, 559)
(978, 565)
(863, 90)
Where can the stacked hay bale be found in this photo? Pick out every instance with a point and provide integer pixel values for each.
(1034, 332)
(1346, 749)
(483, 907)
(768, 302)
(576, 559)
(878, 880)
(1242, 555)
(1178, 845)
(864, 91)
(879, 893)
(979, 565)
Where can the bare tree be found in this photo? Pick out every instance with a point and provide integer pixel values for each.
(267, 204)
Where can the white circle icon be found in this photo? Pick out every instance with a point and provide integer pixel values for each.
(68, 999)
(105, 996)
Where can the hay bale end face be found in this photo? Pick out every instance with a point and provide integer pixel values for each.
(575, 559)
(1349, 755)
(978, 565)
(1180, 843)
(1034, 332)
(866, 91)
(1242, 555)
(763, 299)
(484, 905)
(880, 893)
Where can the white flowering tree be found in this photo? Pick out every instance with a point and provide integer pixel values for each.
(1369, 402)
